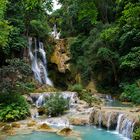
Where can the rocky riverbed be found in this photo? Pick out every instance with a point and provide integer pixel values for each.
(80, 113)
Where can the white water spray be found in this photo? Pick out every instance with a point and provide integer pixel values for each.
(119, 122)
(108, 120)
(100, 119)
(39, 64)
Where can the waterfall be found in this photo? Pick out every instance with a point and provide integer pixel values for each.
(119, 122)
(55, 33)
(100, 119)
(40, 101)
(43, 53)
(109, 98)
(39, 64)
(127, 128)
(108, 120)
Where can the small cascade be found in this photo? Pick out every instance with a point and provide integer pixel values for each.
(108, 120)
(43, 53)
(55, 33)
(72, 97)
(119, 122)
(127, 128)
(100, 119)
(39, 64)
(40, 101)
(58, 122)
(34, 113)
(109, 98)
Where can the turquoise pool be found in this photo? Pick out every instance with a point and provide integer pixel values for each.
(87, 133)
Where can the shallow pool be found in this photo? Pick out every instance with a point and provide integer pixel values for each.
(86, 132)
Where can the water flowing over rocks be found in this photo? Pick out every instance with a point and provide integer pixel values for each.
(123, 122)
(79, 113)
(38, 61)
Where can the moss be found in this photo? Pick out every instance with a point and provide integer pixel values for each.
(44, 126)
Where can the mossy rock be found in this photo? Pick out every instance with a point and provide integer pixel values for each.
(31, 123)
(65, 131)
(6, 127)
(2, 124)
(41, 110)
(44, 126)
(15, 125)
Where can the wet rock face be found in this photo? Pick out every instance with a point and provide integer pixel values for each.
(60, 56)
(109, 120)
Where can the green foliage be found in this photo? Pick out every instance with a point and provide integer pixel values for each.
(136, 134)
(56, 105)
(2, 8)
(87, 9)
(25, 87)
(38, 28)
(4, 33)
(17, 71)
(88, 97)
(84, 94)
(131, 60)
(13, 107)
(131, 93)
(109, 34)
(77, 88)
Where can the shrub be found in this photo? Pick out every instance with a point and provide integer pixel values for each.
(16, 71)
(84, 94)
(88, 97)
(131, 93)
(25, 87)
(13, 107)
(56, 105)
(136, 134)
(77, 88)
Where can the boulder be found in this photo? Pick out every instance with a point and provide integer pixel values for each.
(7, 127)
(15, 125)
(79, 121)
(44, 126)
(65, 131)
(31, 123)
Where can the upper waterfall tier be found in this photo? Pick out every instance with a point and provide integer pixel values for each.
(39, 62)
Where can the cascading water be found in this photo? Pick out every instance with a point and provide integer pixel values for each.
(119, 122)
(40, 101)
(100, 119)
(55, 34)
(108, 120)
(39, 65)
(127, 128)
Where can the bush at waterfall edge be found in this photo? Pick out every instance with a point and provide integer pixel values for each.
(131, 93)
(84, 94)
(136, 134)
(13, 107)
(56, 105)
